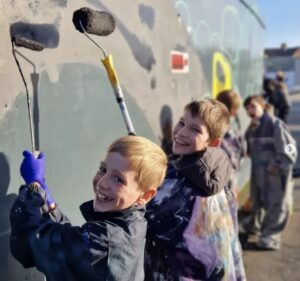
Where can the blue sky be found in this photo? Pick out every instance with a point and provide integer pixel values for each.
(282, 18)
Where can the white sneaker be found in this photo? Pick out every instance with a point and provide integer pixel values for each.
(268, 244)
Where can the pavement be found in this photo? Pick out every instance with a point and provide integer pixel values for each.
(284, 264)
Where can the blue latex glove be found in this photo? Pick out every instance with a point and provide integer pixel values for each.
(33, 170)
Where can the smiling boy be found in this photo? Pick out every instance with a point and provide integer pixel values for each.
(110, 245)
(190, 229)
(115, 183)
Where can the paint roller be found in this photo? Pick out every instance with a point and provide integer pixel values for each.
(27, 43)
(34, 46)
(18, 41)
(89, 21)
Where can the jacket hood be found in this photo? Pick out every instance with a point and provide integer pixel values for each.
(208, 170)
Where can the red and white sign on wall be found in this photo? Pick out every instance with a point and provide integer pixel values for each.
(179, 62)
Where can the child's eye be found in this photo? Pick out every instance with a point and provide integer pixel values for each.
(181, 123)
(102, 170)
(118, 179)
(195, 130)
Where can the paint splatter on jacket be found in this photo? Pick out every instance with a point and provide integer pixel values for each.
(191, 236)
(109, 246)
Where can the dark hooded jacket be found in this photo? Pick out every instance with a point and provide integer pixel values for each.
(109, 246)
(190, 234)
(207, 171)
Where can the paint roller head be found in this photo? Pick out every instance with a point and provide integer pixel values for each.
(27, 43)
(94, 22)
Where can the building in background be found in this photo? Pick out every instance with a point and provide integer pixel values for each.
(287, 60)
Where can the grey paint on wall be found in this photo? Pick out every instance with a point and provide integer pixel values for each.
(147, 15)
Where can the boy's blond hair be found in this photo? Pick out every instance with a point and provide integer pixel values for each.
(231, 99)
(214, 114)
(145, 157)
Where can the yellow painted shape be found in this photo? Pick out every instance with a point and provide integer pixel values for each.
(217, 84)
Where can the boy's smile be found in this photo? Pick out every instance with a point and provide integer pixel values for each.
(102, 197)
(190, 135)
(115, 184)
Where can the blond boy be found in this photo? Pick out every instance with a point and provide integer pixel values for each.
(110, 245)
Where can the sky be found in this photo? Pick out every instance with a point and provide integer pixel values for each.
(282, 20)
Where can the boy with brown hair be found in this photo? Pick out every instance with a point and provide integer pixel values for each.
(190, 229)
(268, 140)
(231, 99)
(110, 245)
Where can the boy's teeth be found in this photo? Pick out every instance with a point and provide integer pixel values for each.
(103, 197)
(180, 142)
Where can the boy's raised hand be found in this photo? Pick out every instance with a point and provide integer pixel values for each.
(33, 168)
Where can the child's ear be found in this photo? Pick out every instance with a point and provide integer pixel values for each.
(146, 197)
(215, 142)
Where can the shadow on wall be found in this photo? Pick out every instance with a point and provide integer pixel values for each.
(6, 201)
(166, 126)
(141, 51)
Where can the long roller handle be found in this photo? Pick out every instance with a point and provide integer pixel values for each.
(32, 138)
(113, 78)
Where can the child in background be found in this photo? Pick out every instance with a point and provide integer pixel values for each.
(110, 245)
(283, 98)
(234, 145)
(190, 229)
(271, 170)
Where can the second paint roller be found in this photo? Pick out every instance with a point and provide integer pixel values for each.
(88, 21)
